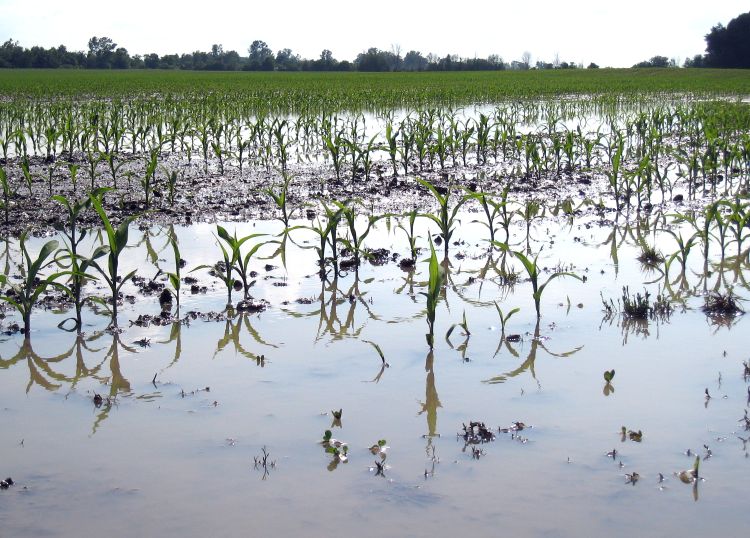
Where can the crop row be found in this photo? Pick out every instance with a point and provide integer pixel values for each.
(701, 147)
(341, 230)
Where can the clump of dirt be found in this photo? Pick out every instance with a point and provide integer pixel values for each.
(252, 305)
(379, 256)
(407, 264)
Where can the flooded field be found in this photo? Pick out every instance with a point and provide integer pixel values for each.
(162, 429)
(309, 313)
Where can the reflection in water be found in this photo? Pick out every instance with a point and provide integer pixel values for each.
(432, 401)
(495, 271)
(41, 371)
(43, 374)
(408, 284)
(117, 382)
(331, 299)
(233, 331)
(175, 335)
(529, 363)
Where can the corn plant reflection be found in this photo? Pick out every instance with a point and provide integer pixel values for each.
(536, 342)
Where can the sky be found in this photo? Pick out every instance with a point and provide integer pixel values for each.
(616, 34)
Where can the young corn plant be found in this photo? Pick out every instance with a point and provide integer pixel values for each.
(446, 216)
(391, 138)
(613, 175)
(334, 143)
(225, 275)
(530, 210)
(172, 177)
(239, 263)
(93, 159)
(28, 291)
(174, 278)
(117, 241)
(28, 178)
(504, 318)
(5, 185)
(434, 286)
(74, 264)
(493, 211)
(280, 134)
(149, 175)
(73, 170)
(325, 231)
(356, 238)
(280, 199)
(532, 270)
(114, 166)
(411, 237)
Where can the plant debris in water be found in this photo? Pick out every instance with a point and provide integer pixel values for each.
(633, 435)
(639, 307)
(721, 305)
(476, 433)
(263, 463)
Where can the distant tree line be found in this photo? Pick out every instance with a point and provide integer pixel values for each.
(726, 47)
(104, 53)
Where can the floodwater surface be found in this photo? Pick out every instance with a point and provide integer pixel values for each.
(175, 445)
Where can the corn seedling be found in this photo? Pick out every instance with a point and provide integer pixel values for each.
(356, 238)
(5, 185)
(613, 175)
(149, 176)
(280, 199)
(74, 264)
(26, 171)
(464, 325)
(409, 231)
(238, 262)
(391, 138)
(174, 277)
(117, 241)
(446, 216)
(504, 318)
(532, 270)
(25, 295)
(327, 235)
(492, 212)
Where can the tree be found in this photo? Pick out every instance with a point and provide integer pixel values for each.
(101, 50)
(730, 46)
(286, 60)
(656, 61)
(151, 61)
(696, 61)
(261, 55)
(414, 61)
(326, 62)
(373, 60)
(121, 59)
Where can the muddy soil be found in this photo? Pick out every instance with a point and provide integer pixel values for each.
(209, 196)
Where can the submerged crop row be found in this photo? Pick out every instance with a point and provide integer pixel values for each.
(718, 230)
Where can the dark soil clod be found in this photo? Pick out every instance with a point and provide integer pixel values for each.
(252, 305)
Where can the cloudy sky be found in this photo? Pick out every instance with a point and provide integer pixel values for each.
(616, 34)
